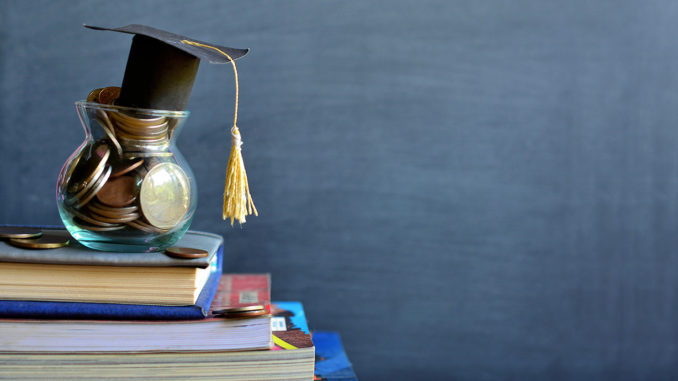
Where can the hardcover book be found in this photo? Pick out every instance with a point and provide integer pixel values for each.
(79, 274)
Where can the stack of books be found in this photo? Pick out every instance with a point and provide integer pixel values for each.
(73, 313)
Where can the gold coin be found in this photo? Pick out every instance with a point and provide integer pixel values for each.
(89, 170)
(48, 240)
(165, 195)
(185, 252)
(108, 95)
(93, 95)
(95, 188)
(19, 232)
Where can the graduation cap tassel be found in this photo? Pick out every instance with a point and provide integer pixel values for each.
(237, 199)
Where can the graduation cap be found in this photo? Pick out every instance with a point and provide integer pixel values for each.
(160, 72)
(162, 66)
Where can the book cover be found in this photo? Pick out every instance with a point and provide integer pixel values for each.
(331, 362)
(289, 326)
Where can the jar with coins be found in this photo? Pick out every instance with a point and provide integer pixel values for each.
(127, 187)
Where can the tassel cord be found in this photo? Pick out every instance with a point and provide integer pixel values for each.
(238, 202)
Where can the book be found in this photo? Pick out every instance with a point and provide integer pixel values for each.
(78, 274)
(212, 333)
(111, 311)
(331, 362)
(291, 357)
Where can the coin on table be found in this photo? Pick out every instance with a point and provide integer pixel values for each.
(48, 240)
(108, 95)
(122, 169)
(19, 232)
(185, 252)
(165, 195)
(241, 312)
(118, 192)
(93, 95)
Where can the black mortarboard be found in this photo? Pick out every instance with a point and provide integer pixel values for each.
(161, 68)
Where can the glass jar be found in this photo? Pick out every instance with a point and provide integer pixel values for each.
(127, 187)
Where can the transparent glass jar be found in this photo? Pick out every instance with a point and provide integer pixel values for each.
(127, 187)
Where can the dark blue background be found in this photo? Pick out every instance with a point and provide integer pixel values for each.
(464, 190)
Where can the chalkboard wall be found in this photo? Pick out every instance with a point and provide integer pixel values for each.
(471, 190)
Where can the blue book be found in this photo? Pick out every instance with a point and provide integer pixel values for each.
(10, 259)
(331, 362)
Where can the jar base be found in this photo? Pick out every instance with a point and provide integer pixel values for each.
(126, 243)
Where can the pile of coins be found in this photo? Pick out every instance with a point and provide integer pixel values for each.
(32, 238)
(127, 179)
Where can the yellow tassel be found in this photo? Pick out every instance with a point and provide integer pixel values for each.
(237, 199)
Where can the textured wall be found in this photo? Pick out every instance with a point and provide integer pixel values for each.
(465, 190)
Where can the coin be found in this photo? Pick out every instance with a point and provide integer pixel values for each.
(111, 137)
(114, 220)
(104, 210)
(19, 232)
(241, 309)
(92, 221)
(118, 192)
(71, 169)
(126, 168)
(108, 95)
(95, 188)
(48, 240)
(87, 171)
(185, 252)
(165, 195)
(240, 315)
(137, 121)
(95, 228)
(140, 225)
(93, 95)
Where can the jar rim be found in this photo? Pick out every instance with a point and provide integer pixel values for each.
(147, 111)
